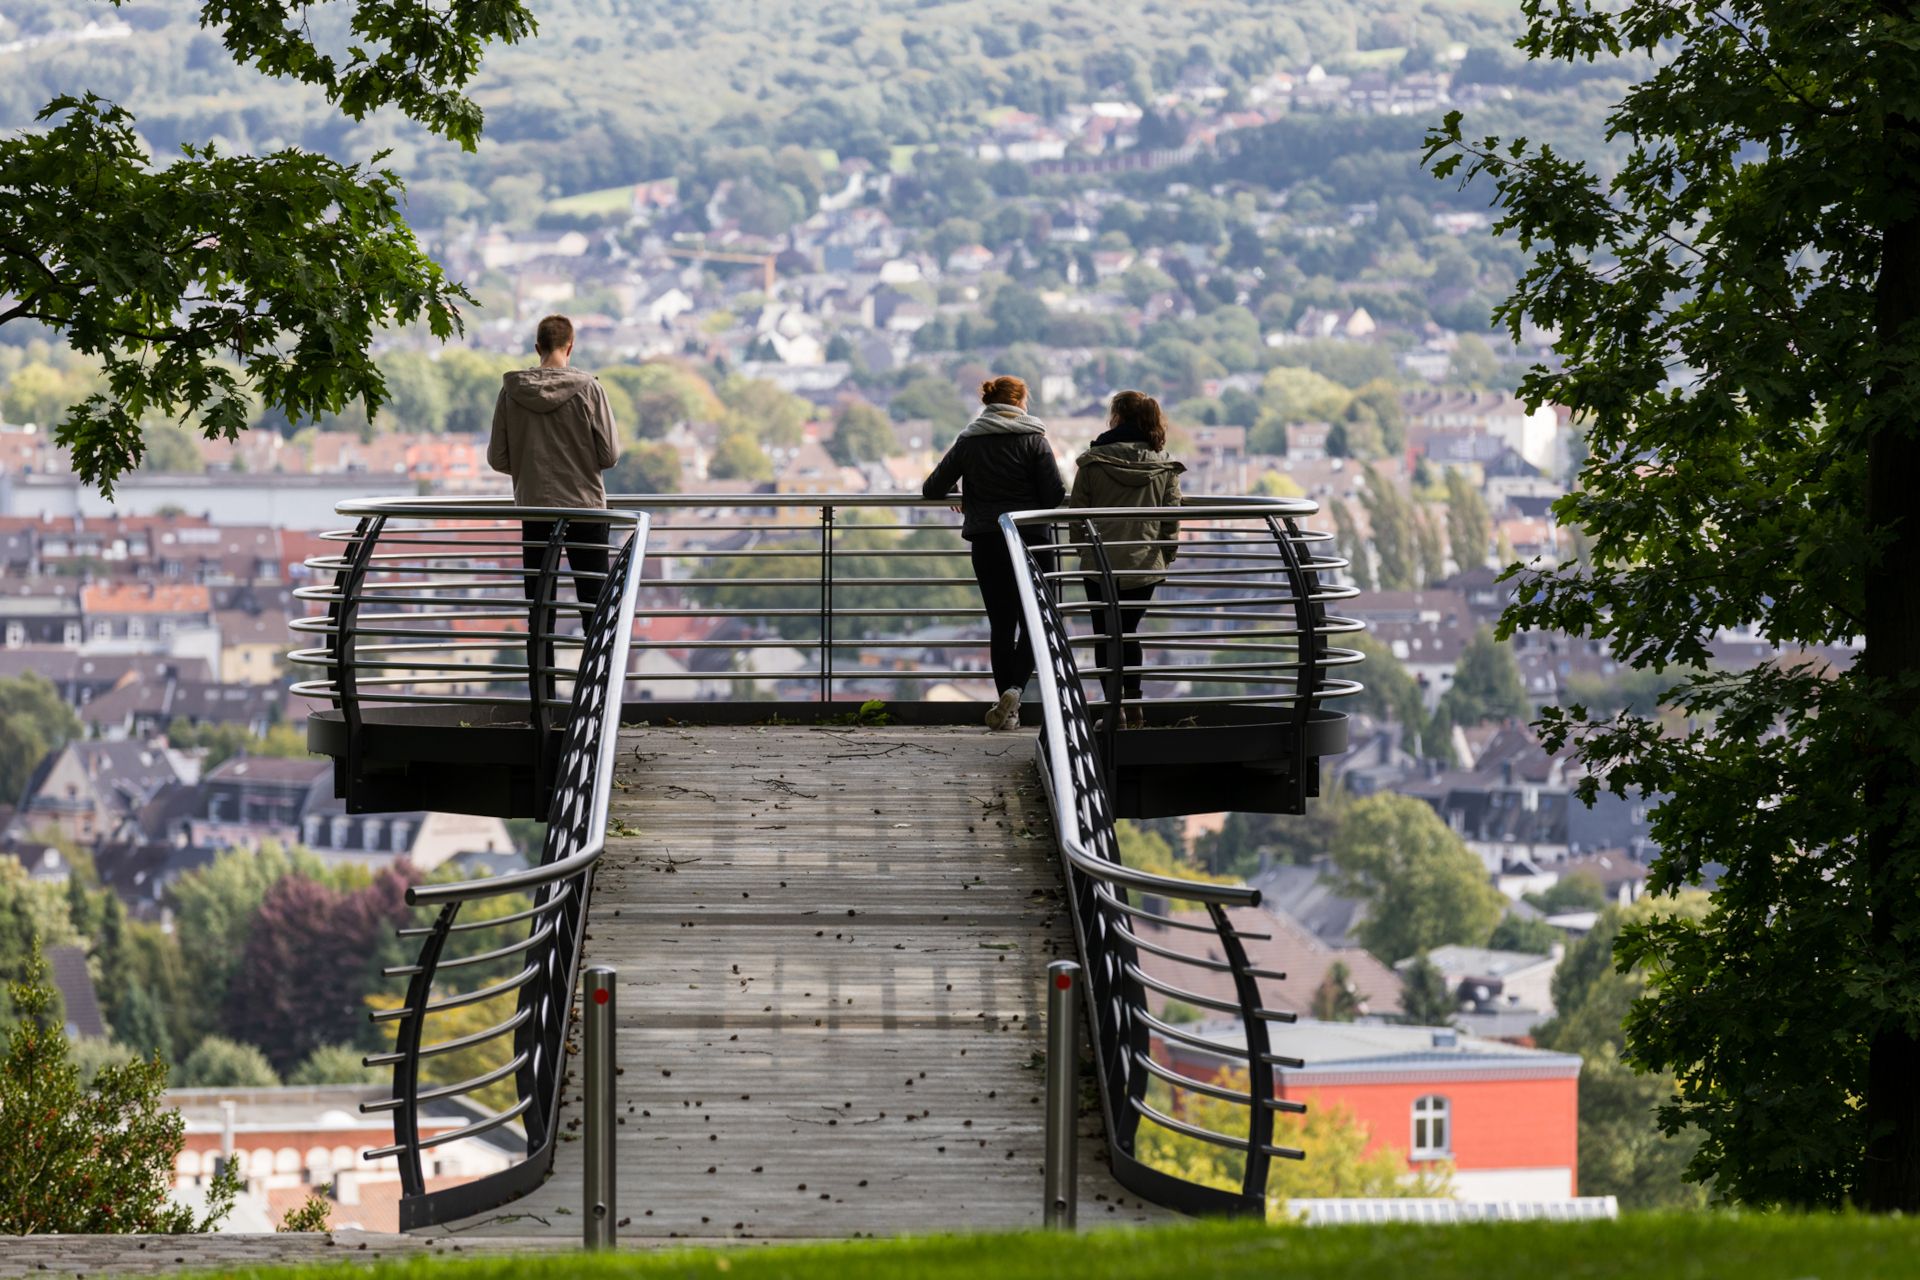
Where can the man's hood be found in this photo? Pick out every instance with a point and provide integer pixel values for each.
(543, 390)
(1132, 465)
(1004, 420)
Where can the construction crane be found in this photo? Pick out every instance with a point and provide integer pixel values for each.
(766, 260)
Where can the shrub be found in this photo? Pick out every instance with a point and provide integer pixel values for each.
(93, 1158)
(222, 1063)
(311, 1216)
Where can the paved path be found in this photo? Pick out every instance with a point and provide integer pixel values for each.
(832, 947)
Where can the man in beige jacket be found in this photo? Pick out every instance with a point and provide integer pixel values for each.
(553, 433)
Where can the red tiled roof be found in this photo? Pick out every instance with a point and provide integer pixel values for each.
(149, 597)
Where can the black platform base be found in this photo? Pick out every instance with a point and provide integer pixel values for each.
(483, 760)
(443, 759)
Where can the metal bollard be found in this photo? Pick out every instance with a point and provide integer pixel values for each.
(599, 1209)
(1063, 1072)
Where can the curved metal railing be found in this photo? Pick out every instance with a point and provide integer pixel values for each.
(1127, 974)
(450, 604)
(409, 569)
(826, 596)
(426, 596)
(755, 596)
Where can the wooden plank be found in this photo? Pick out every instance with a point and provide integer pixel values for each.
(832, 948)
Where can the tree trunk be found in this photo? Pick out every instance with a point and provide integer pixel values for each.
(1889, 1178)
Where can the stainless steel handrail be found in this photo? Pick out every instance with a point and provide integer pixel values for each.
(1251, 590)
(815, 596)
(1123, 1025)
(545, 961)
(412, 604)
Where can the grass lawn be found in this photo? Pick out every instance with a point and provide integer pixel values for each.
(607, 200)
(1654, 1247)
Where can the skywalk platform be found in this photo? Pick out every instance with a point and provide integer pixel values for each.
(831, 938)
(832, 948)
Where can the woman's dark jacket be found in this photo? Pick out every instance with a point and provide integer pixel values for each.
(1002, 462)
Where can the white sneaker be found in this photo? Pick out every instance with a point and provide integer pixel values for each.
(1005, 714)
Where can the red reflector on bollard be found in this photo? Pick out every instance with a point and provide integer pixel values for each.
(1064, 981)
(602, 996)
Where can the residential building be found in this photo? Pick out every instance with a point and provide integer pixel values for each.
(291, 1141)
(79, 1003)
(143, 706)
(1425, 630)
(253, 646)
(1534, 435)
(1307, 441)
(1516, 802)
(1306, 897)
(1277, 944)
(86, 790)
(1487, 979)
(43, 613)
(250, 800)
(1506, 1117)
(81, 677)
(149, 617)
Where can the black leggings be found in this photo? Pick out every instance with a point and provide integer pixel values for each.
(1012, 647)
(1130, 618)
(581, 559)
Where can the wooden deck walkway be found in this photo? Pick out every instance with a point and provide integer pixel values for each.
(832, 946)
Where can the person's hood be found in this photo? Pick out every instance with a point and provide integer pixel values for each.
(543, 390)
(1004, 420)
(1134, 466)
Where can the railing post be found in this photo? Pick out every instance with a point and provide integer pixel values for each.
(345, 642)
(1261, 1061)
(1112, 654)
(826, 603)
(1311, 617)
(599, 1208)
(1063, 1072)
(542, 657)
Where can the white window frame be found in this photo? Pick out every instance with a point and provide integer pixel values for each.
(1432, 1128)
(16, 635)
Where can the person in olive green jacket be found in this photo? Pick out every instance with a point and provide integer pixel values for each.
(1127, 466)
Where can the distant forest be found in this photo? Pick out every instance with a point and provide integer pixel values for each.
(621, 91)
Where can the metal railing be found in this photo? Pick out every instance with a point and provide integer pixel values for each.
(409, 571)
(798, 596)
(1126, 974)
(449, 602)
(790, 597)
(447, 606)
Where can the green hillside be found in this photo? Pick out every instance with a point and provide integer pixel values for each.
(617, 90)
